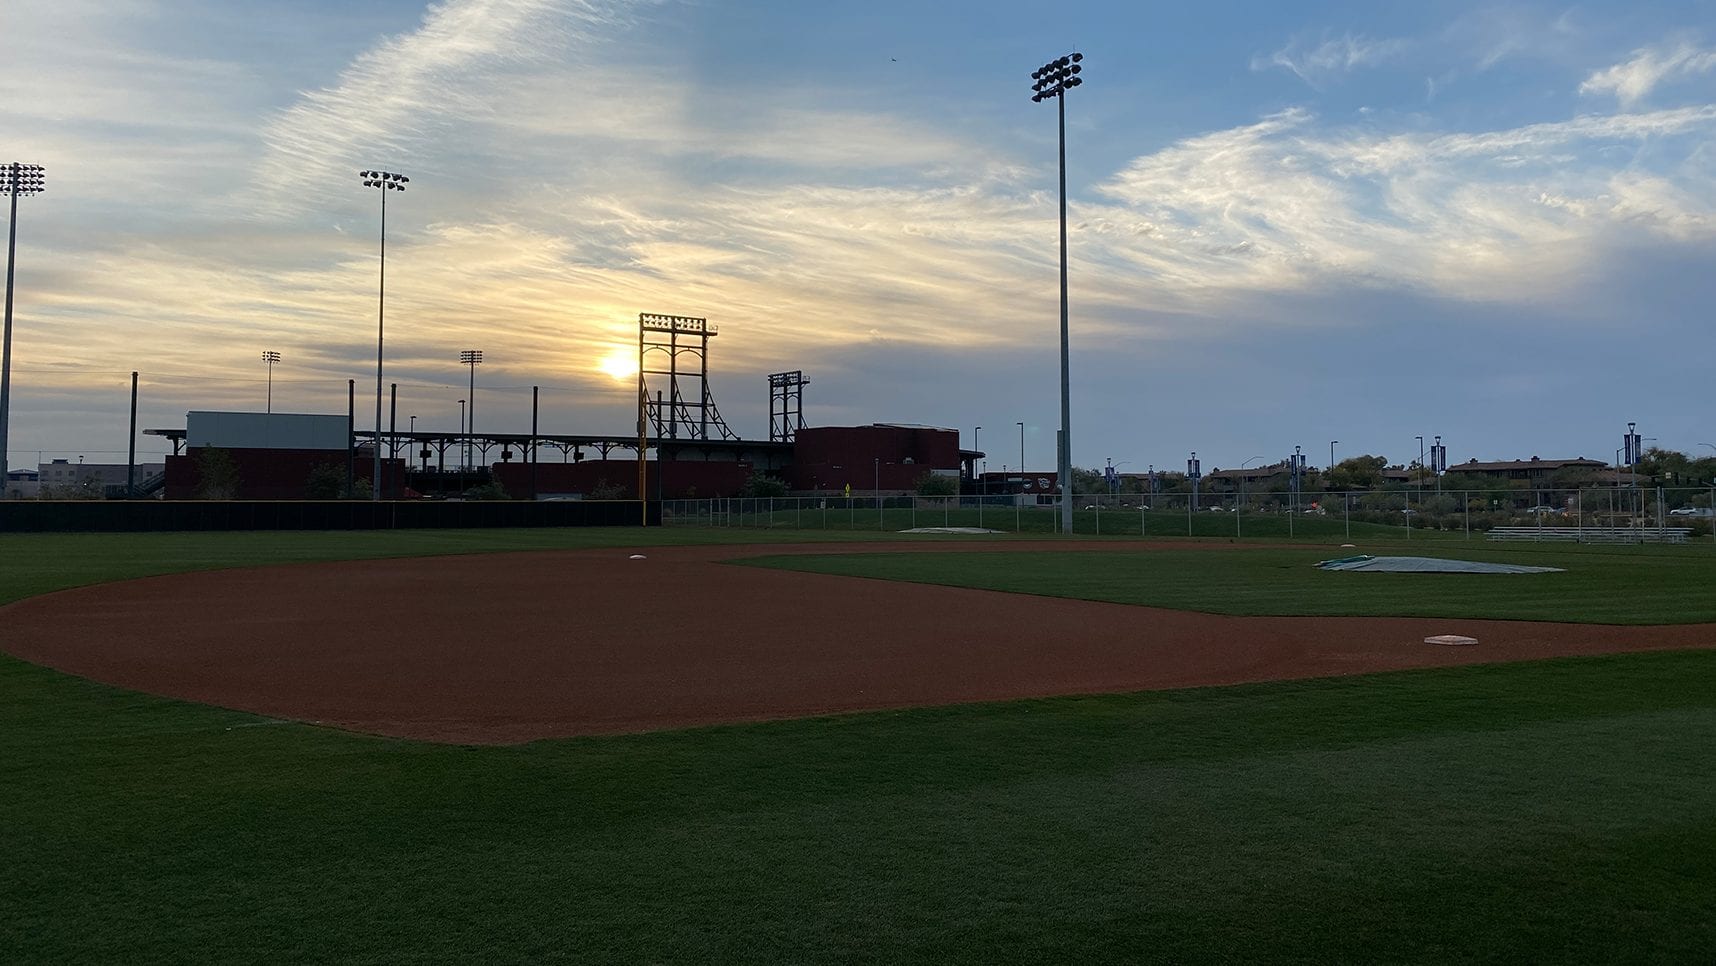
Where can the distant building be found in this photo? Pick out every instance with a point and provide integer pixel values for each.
(63, 479)
(269, 456)
(883, 456)
(22, 484)
(1533, 470)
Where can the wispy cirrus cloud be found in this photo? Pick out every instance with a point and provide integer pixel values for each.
(408, 91)
(1318, 62)
(1505, 215)
(1650, 67)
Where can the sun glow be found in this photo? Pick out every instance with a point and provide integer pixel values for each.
(619, 365)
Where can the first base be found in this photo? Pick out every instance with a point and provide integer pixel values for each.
(1450, 639)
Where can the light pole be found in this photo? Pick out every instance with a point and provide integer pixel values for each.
(1021, 491)
(982, 484)
(1054, 79)
(15, 179)
(878, 460)
(1438, 463)
(414, 442)
(1712, 495)
(471, 357)
(1332, 443)
(386, 181)
(1298, 475)
(269, 358)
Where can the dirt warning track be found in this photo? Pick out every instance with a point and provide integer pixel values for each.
(504, 648)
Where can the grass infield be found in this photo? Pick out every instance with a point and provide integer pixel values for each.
(1561, 810)
(1663, 585)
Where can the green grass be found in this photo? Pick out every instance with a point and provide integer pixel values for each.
(1559, 811)
(36, 563)
(1626, 585)
(1556, 811)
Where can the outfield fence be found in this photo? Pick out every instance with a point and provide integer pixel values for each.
(1607, 513)
(73, 516)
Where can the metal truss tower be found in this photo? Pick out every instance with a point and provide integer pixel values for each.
(786, 405)
(671, 413)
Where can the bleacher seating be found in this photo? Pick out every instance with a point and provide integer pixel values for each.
(1594, 534)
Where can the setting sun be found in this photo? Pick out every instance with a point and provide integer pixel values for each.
(620, 365)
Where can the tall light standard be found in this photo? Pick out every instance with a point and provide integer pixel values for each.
(1438, 464)
(15, 179)
(471, 357)
(269, 358)
(1021, 478)
(386, 181)
(1054, 79)
(982, 484)
(1332, 443)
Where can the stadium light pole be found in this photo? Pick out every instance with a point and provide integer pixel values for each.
(385, 181)
(471, 357)
(1021, 478)
(982, 484)
(1053, 80)
(16, 179)
(269, 358)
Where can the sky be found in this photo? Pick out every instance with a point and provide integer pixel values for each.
(1289, 224)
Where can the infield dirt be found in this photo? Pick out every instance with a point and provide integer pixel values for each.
(506, 648)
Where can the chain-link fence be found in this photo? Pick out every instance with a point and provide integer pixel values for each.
(1618, 514)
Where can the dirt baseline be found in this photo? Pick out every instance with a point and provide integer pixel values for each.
(505, 648)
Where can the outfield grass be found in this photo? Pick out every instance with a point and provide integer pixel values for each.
(36, 563)
(1621, 585)
(1559, 811)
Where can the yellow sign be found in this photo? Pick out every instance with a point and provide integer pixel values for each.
(848, 489)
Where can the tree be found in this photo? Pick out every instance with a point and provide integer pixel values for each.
(326, 482)
(759, 485)
(603, 490)
(1357, 473)
(487, 491)
(933, 484)
(1088, 481)
(217, 474)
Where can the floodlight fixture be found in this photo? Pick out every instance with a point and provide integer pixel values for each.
(1053, 80)
(471, 357)
(269, 358)
(16, 178)
(386, 181)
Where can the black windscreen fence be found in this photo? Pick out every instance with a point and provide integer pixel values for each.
(112, 516)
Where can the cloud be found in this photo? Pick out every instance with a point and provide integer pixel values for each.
(1319, 64)
(1632, 81)
(406, 92)
(1509, 215)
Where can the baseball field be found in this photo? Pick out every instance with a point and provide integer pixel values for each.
(531, 746)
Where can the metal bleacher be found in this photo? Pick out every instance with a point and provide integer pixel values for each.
(1594, 534)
